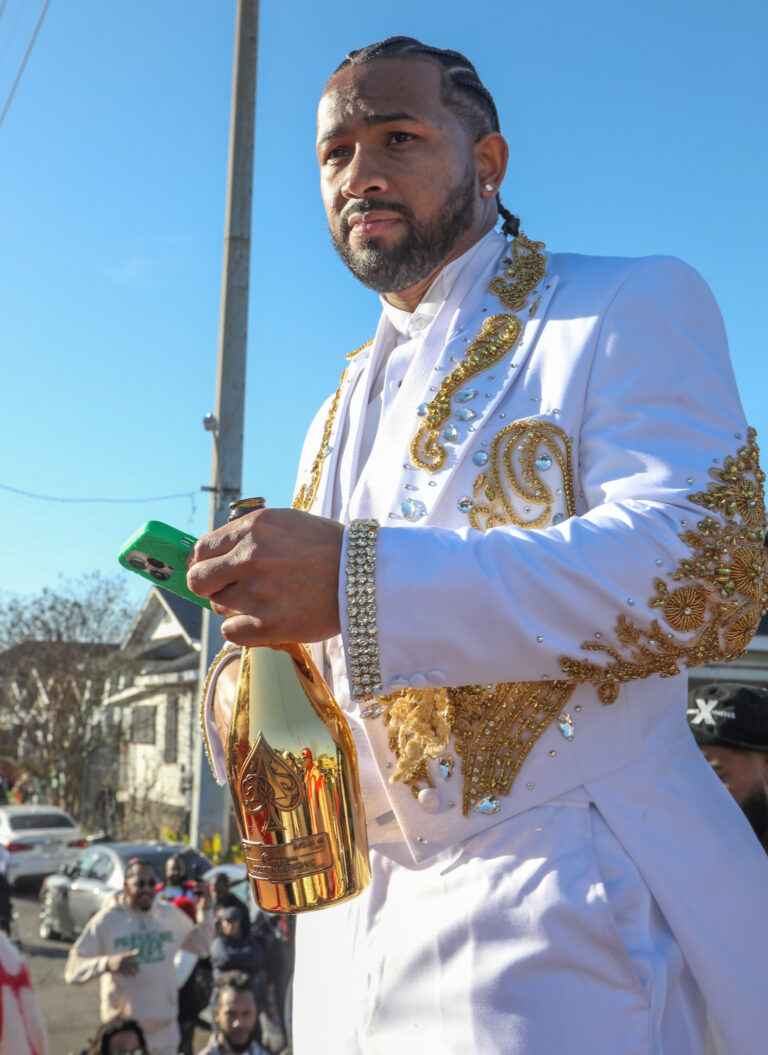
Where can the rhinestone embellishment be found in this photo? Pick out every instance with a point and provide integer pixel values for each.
(465, 394)
(464, 504)
(446, 765)
(480, 458)
(544, 462)
(565, 725)
(450, 433)
(465, 414)
(490, 804)
(372, 711)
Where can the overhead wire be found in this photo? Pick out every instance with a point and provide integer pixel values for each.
(28, 52)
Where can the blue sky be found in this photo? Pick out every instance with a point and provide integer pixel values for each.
(634, 129)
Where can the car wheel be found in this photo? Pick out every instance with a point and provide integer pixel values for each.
(47, 919)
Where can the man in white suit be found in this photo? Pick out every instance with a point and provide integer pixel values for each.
(531, 504)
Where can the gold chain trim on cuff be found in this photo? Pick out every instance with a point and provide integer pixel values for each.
(362, 632)
(727, 593)
(229, 647)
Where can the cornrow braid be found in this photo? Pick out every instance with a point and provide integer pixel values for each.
(461, 91)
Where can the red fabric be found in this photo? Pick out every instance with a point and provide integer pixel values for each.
(12, 986)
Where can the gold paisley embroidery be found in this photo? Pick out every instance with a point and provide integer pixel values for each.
(307, 493)
(494, 728)
(498, 336)
(521, 457)
(526, 269)
(721, 609)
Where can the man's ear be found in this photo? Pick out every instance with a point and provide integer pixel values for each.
(491, 156)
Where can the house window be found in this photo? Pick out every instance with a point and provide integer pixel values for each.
(171, 727)
(143, 725)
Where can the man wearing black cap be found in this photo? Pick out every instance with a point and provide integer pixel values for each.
(730, 724)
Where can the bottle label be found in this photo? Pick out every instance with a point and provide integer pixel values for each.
(302, 857)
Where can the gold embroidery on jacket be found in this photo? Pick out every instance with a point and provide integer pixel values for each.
(725, 594)
(522, 457)
(494, 728)
(307, 493)
(498, 336)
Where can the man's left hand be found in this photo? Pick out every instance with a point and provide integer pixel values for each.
(274, 574)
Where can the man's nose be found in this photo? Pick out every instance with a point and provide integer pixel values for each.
(363, 176)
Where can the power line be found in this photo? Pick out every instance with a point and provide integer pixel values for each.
(28, 52)
(115, 501)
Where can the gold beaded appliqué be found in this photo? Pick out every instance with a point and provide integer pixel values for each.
(725, 595)
(307, 493)
(494, 728)
(498, 336)
(521, 457)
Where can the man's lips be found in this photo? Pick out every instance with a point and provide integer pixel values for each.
(364, 225)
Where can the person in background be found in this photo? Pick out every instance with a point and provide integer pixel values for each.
(222, 898)
(236, 949)
(119, 1036)
(22, 1030)
(130, 945)
(730, 724)
(235, 1030)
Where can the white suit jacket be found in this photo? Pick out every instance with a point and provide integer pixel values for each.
(580, 523)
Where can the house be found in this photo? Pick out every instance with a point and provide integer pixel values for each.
(153, 706)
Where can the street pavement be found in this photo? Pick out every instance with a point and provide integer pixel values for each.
(71, 1012)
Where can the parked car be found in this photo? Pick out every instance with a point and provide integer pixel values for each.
(38, 840)
(70, 897)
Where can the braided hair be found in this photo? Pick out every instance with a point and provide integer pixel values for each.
(461, 91)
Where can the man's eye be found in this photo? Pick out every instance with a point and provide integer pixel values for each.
(336, 153)
(400, 137)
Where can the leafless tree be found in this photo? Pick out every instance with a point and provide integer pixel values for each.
(56, 650)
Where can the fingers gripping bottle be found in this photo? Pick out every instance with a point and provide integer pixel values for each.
(293, 774)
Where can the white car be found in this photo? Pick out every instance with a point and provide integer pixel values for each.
(37, 840)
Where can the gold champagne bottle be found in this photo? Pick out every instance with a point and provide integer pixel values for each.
(293, 775)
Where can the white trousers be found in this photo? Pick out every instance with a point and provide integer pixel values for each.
(538, 937)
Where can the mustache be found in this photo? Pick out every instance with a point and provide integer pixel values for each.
(364, 205)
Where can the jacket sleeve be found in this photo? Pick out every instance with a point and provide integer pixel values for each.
(87, 958)
(663, 567)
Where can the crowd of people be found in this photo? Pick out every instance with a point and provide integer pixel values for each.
(236, 992)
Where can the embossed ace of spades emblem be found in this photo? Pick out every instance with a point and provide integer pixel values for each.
(269, 784)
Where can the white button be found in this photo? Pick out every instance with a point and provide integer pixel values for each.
(436, 677)
(418, 681)
(429, 800)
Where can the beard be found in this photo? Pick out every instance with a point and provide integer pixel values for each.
(423, 248)
(755, 809)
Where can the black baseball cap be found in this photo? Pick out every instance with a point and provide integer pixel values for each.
(729, 714)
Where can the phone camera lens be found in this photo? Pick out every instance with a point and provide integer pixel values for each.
(159, 574)
(136, 562)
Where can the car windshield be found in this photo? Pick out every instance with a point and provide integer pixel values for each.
(26, 822)
(158, 855)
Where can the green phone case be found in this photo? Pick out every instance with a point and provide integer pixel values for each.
(159, 553)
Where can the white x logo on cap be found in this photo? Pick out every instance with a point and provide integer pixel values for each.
(704, 712)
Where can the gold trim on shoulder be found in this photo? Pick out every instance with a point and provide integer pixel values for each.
(522, 457)
(307, 493)
(229, 647)
(725, 594)
(498, 336)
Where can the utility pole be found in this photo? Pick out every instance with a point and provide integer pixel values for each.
(210, 803)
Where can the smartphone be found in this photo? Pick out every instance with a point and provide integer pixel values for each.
(159, 553)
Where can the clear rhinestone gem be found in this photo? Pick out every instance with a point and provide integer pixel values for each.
(411, 487)
(465, 394)
(408, 509)
(544, 462)
(558, 518)
(465, 503)
(450, 433)
(539, 638)
(422, 409)
(490, 804)
(373, 710)
(465, 414)
(565, 725)
(630, 601)
(446, 764)
(480, 458)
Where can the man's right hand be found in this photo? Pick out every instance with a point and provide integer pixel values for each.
(124, 963)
